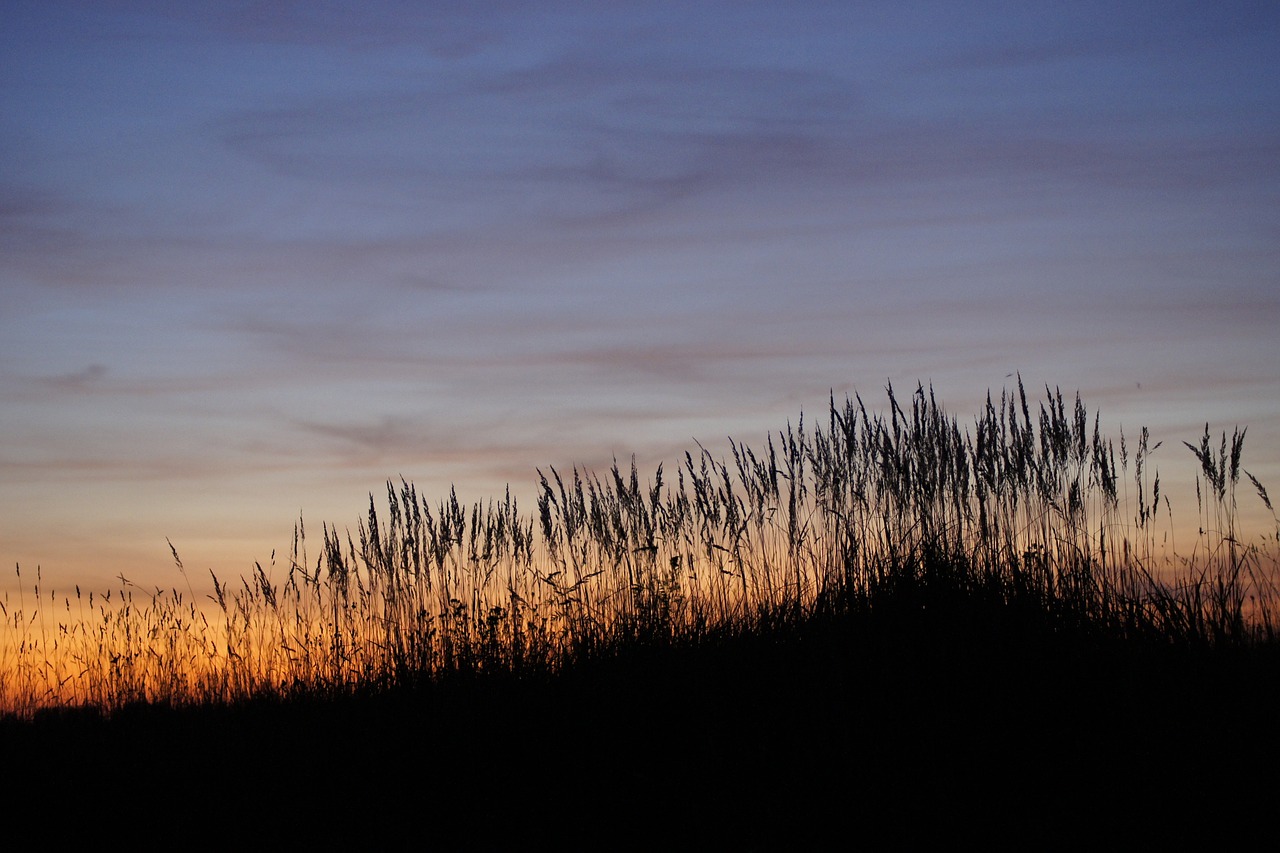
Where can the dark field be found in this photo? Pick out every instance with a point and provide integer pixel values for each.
(885, 633)
(937, 717)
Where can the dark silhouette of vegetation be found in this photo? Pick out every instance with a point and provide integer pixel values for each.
(857, 620)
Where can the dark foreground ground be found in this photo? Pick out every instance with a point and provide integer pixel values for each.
(925, 722)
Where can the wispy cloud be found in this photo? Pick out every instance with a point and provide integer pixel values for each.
(80, 380)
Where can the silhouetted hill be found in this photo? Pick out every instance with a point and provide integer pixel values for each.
(925, 716)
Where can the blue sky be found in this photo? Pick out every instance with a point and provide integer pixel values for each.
(257, 258)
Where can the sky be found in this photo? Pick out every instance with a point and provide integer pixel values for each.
(257, 258)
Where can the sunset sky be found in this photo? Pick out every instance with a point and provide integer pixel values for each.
(257, 258)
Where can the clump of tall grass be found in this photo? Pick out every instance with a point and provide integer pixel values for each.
(1029, 510)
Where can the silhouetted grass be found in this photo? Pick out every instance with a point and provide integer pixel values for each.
(878, 611)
